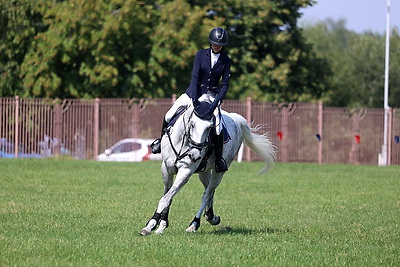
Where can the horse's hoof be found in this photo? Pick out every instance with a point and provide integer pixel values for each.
(162, 227)
(214, 221)
(194, 225)
(191, 229)
(144, 232)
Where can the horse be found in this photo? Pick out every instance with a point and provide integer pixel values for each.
(185, 147)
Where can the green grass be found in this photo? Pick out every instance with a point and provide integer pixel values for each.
(67, 212)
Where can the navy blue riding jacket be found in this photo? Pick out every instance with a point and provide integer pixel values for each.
(205, 78)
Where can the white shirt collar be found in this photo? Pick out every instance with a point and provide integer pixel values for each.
(214, 58)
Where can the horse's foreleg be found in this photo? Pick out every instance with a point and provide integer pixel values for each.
(215, 180)
(204, 178)
(182, 178)
(160, 219)
(168, 180)
(163, 224)
(210, 182)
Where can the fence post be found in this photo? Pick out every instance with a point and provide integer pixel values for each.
(285, 134)
(96, 128)
(248, 118)
(135, 120)
(16, 137)
(389, 151)
(320, 129)
(58, 128)
(355, 144)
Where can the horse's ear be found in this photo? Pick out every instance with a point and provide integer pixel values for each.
(203, 110)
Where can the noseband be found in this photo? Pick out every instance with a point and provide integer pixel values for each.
(192, 144)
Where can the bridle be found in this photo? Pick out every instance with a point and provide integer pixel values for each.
(186, 137)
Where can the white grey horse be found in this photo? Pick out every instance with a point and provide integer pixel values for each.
(183, 147)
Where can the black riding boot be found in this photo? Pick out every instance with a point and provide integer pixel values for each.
(156, 145)
(220, 164)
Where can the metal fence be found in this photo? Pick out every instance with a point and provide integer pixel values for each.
(302, 132)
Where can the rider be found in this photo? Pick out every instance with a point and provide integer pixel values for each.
(210, 66)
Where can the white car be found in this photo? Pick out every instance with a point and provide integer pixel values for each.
(130, 149)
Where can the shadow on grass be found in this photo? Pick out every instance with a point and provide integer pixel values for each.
(222, 230)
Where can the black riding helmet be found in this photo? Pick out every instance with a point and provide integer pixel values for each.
(218, 36)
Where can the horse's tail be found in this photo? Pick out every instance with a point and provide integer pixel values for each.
(260, 144)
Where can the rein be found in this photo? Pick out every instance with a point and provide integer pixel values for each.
(192, 144)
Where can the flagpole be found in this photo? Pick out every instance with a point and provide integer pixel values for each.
(384, 153)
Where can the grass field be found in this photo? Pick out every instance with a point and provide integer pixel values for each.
(68, 212)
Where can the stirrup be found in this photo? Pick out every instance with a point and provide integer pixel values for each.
(156, 146)
(202, 166)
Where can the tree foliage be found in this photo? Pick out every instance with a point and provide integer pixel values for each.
(117, 48)
(91, 48)
(20, 21)
(271, 60)
(174, 42)
(358, 64)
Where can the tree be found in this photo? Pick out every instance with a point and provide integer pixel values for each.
(117, 48)
(357, 62)
(92, 48)
(175, 40)
(271, 60)
(20, 22)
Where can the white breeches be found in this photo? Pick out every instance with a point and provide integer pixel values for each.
(184, 100)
